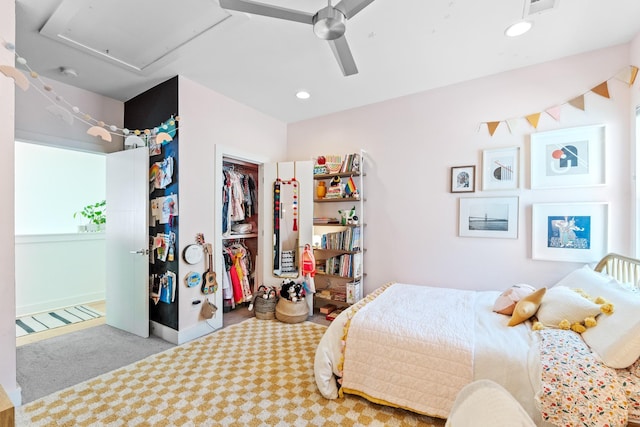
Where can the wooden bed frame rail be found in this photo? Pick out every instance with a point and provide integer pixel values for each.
(622, 268)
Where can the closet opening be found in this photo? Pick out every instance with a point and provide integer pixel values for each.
(240, 234)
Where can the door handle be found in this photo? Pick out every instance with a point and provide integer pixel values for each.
(140, 252)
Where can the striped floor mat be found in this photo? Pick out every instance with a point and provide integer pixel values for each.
(54, 319)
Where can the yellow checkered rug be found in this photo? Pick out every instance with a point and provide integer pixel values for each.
(255, 373)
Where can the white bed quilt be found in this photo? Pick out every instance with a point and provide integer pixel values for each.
(401, 362)
(460, 340)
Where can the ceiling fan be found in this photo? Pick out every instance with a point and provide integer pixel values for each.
(329, 23)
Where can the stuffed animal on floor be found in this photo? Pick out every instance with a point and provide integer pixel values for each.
(292, 291)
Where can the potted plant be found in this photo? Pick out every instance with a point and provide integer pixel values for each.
(96, 215)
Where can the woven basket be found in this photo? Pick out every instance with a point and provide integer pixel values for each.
(292, 312)
(264, 308)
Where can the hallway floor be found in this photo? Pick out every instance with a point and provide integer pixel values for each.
(39, 336)
(232, 317)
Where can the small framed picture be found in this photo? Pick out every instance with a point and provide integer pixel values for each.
(463, 179)
(575, 232)
(489, 217)
(501, 169)
(571, 157)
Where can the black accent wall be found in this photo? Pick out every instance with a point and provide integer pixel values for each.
(147, 111)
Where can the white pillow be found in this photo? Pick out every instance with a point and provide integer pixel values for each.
(561, 303)
(486, 403)
(506, 302)
(616, 338)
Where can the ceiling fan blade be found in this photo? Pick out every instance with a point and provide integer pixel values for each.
(350, 7)
(267, 10)
(341, 50)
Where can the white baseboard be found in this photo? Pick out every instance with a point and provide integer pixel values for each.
(50, 305)
(181, 337)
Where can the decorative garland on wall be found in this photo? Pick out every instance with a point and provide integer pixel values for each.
(627, 75)
(67, 112)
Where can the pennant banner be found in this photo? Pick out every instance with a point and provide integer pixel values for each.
(602, 89)
(512, 124)
(533, 119)
(554, 112)
(627, 75)
(492, 127)
(578, 102)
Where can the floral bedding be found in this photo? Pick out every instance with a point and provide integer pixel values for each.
(575, 386)
(630, 380)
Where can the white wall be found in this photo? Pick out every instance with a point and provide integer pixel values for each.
(634, 59)
(7, 260)
(412, 218)
(70, 270)
(209, 119)
(52, 184)
(35, 123)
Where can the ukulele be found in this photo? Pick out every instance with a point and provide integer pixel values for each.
(209, 283)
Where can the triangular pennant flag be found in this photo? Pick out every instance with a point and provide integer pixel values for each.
(634, 74)
(602, 89)
(628, 74)
(578, 102)
(533, 119)
(554, 112)
(512, 124)
(492, 127)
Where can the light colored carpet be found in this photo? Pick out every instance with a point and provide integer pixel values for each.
(255, 373)
(47, 366)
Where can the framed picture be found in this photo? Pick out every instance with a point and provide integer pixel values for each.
(463, 179)
(576, 232)
(571, 157)
(489, 217)
(501, 169)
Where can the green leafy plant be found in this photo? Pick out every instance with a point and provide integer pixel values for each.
(95, 213)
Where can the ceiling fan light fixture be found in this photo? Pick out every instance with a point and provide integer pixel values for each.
(303, 94)
(518, 28)
(329, 23)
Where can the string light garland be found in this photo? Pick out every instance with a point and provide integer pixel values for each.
(68, 112)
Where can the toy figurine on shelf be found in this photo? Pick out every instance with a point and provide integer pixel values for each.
(347, 215)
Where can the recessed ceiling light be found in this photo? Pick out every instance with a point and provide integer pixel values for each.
(303, 94)
(518, 29)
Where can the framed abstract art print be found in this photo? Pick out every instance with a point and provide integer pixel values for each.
(571, 157)
(576, 232)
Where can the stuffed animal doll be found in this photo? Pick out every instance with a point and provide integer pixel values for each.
(292, 291)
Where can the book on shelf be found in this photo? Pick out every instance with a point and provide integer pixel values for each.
(344, 240)
(354, 291)
(327, 308)
(326, 220)
(331, 316)
(350, 163)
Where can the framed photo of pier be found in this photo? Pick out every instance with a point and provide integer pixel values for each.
(488, 217)
(573, 232)
(501, 169)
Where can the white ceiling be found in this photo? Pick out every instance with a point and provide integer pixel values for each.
(400, 46)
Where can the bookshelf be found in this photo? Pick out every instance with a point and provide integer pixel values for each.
(338, 230)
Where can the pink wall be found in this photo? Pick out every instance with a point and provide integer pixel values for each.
(211, 119)
(412, 218)
(7, 260)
